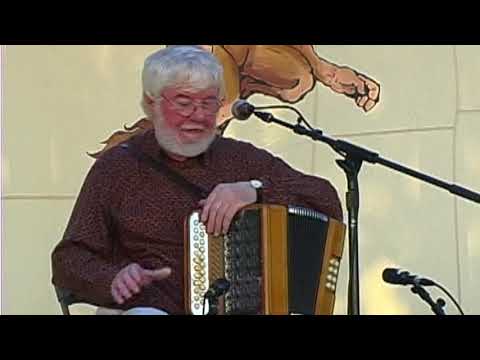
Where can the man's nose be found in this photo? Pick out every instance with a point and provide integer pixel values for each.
(199, 114)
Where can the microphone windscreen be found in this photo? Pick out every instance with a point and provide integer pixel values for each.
(390, 275)
(242, 110)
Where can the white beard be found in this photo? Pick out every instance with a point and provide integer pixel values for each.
(166, 137)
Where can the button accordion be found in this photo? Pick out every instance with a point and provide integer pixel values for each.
(276, 260)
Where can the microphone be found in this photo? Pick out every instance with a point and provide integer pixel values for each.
(397, 277)
(242, 109)
(218, 288)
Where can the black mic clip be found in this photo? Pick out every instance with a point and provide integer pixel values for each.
(267, 117)
(218, 288)
(437, 307)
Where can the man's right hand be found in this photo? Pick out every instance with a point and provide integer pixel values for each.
(132, 278)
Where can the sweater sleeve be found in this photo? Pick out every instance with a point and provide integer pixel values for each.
(85, 261)
(286, 186)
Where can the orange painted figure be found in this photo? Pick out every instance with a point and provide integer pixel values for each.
(285, 72)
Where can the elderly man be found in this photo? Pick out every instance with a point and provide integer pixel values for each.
(123, 246)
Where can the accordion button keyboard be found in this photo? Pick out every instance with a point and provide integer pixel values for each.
(330, 286)
(334, 262)
(199, 262)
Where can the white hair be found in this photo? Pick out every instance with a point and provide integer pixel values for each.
(186, 65)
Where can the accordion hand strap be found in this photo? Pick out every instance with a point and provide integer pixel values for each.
(192, 188)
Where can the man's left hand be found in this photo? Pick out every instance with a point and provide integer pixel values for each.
(223, 203)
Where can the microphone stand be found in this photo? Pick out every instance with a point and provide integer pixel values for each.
(354, 156)
(437, 307)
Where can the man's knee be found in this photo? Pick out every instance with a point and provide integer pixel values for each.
(144, 311)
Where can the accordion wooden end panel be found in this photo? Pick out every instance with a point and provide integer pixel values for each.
(276, 260)
(334, 244)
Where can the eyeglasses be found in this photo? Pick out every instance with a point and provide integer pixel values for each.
(185, 106)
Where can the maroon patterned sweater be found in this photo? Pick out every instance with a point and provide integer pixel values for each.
(129, 212)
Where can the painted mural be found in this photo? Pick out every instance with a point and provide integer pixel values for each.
(285, 72)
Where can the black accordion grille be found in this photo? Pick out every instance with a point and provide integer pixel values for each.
(307, 232)
(243, 265)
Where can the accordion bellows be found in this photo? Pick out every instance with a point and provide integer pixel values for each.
(277, 260)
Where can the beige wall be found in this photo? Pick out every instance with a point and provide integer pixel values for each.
(61, 101)
(2, 50)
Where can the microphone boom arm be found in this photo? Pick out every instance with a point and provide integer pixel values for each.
(348, 149)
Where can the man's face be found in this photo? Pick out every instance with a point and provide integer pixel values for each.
(185, 120)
